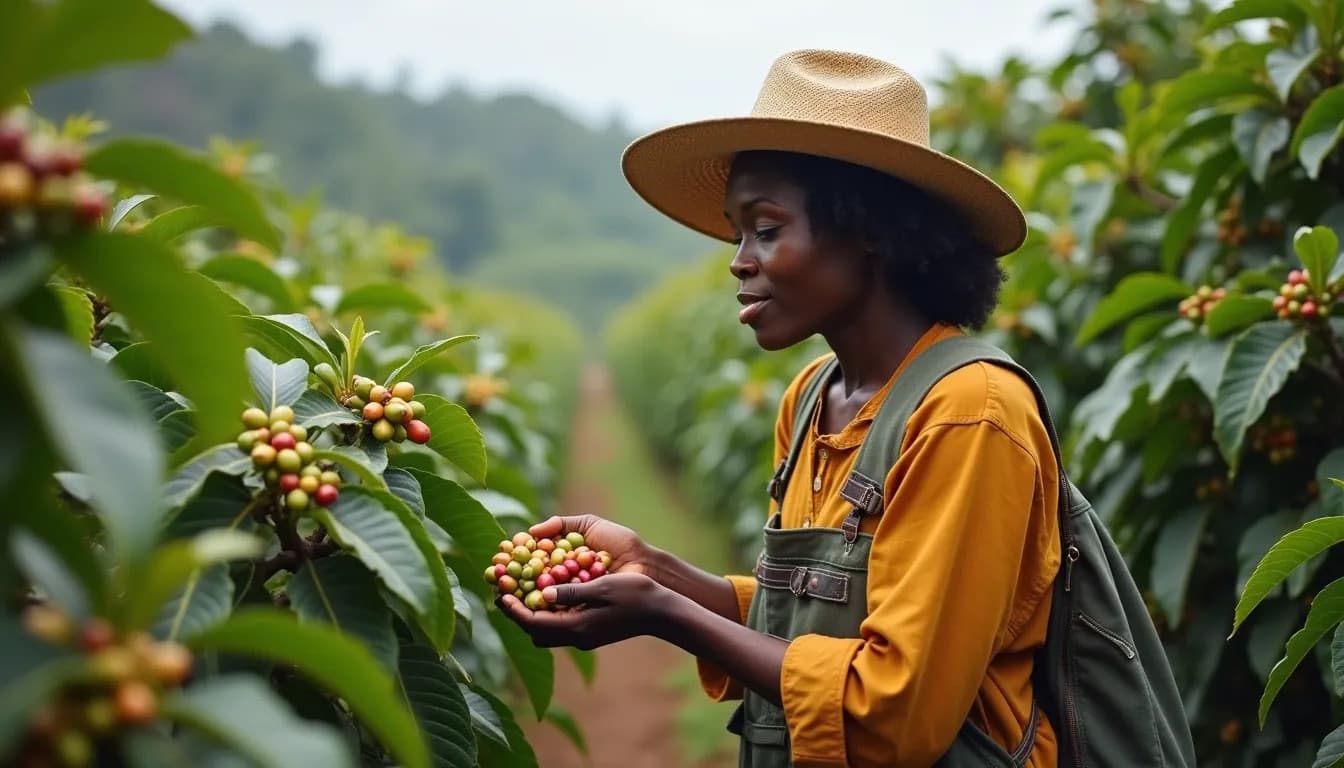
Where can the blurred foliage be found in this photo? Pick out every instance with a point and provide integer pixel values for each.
(1176, 299)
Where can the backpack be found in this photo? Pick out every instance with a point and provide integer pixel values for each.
(1102, 676)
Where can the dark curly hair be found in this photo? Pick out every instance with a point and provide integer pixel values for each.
(924, 248)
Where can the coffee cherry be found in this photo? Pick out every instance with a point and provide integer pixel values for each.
(90, 205)
(113, 663)
(490, 576)
(306, 452)
(255, 418)
(418, 432)
(310, 470)
(262, 435)
(417, 409)
(585, 576)
(378, 394)
(506, 546)
(290, 481)
(327, 375)
(355, 402)
(282, 441)
(395, 411)
(404, 390)
(288, 460)
(329, 477)
(573, 567)
(1301, 291)
(282, 413)
(1294, 307)
(507, 583)
(1296, 277)
(521, 555)
(534, 600)
(308, 484)
(327, 495)
(264, 456)
(527, 585)
(100, 715)
(514, 569)
(170, 663)
(135, 703)
(12, 139)
(16, 185)
(373, 411)
(528, 573)
(604, 558)
(545, 580)
(398, 433)
(271, 477)
(297, 500)
(363, 387)
(521, 538)
(74, 749)
(597, 569)
(501, 558)
(48, 623)
(1280, 302)
(557, 557)
(500, 570)
(299, 432)
(575, 539)
(383, 430)
(1309, 309)
(585, 559)
(280, 427)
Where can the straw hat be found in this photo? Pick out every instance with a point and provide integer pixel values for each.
(839, 105)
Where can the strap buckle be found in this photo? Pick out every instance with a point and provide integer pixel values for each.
(798, 581)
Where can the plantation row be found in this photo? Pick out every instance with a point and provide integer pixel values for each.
(260, 453)
(1178, 298)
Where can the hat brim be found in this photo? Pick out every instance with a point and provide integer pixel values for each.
(683, 170)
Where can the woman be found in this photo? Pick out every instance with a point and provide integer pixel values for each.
(847, 225)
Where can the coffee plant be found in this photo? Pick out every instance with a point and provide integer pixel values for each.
(239, 524)
(1177, 298)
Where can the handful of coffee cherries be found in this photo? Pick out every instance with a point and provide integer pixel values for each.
(524, 566)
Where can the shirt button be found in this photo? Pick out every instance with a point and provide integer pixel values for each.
(807, 522)
(822, 454)
(816, 484)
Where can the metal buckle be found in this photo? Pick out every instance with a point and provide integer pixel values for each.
(798, 581)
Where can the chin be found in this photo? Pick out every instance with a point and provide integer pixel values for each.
(772, 340)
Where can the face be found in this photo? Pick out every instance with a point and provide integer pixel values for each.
(791, 283)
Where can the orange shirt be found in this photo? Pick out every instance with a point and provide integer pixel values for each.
(960, 571)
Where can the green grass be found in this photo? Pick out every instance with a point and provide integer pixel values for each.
(644, 498)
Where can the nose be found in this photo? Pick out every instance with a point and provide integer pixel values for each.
(743, 266)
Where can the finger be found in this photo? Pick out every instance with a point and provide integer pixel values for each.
(564, 595)
(514, 609)
(558, 525)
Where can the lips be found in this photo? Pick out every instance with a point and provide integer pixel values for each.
(753, 305)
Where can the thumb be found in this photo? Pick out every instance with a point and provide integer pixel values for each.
(574, 594)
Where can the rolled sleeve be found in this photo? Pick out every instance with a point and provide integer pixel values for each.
(812, 689)
(716, 683)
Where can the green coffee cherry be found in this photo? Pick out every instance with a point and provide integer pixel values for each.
(287, 460)
(297, 500)
(398, 433)
(282, 413)
(363, 385)
(395, 411)
(329, 477)
(328, 376)
(255, 418)
(246, 441)
(306, 452)
(383, 430)
(575, 539)
(417, 409)
(311, 470)
(355, 402)
(299, 432)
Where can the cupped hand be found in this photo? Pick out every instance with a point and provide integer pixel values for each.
(616, 607)
(629, 553)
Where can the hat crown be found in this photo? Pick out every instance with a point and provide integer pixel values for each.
(846, 89)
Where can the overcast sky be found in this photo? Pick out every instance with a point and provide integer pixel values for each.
(653, 62)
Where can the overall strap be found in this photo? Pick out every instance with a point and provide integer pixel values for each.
(807, 403)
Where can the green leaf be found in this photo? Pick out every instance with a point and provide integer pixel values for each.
(1132, 295)
(355, 460)
(337, 663)
(423, 355)
(224, 501)
(1319, 130)
(1258, 134)
(381, 296)
(1331, 751)
(1089, 150)
(342, 592)
(518, 753)
(1245, 10)
(203, 601)
(316, 409)
(464, 518)
(191, 476)
(1286, 65)
(1332, 491)
(1283, 558)
(1174, 558)
(46, 570)
(1337, 660)
(64, 536)
(173, 567)
(1169, 358)
(23, 269)
(361, 523)
(244, 714)
(123, 208)
(278, 338)
(1259, 364)
(1185, 220)
(1207, 364)
(101, 431)
(178, 222)
(404, 486)
(148, 284)
(78, 309)
(1266, 638)
(1197, 89)
(455, 436)
(535, 666)
(274, 384)
(251, 274)
(44, 41)
(1327, 610)
(176, 430)
(566, 724)
(1318, 248)
(484, 719)
(139, 362)
(439, 620)
(1236, 313)
(439, 706)
(585, 662)
(171, 172)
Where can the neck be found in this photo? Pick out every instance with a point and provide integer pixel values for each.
(875, 342)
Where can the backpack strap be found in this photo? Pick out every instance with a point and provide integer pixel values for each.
(807, 403)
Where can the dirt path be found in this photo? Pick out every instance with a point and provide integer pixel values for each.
(629, 714)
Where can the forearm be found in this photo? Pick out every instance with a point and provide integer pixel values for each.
(713, 592)
(750, 657)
